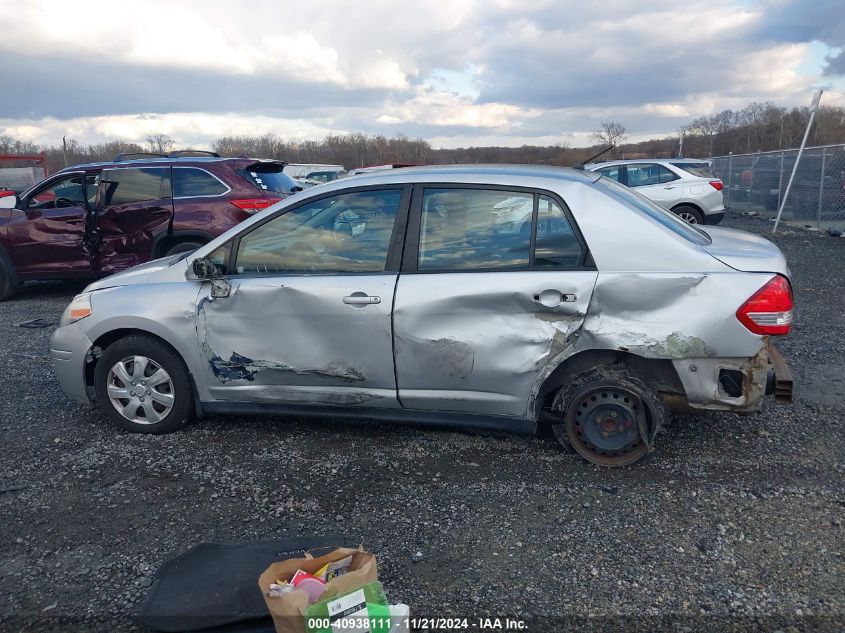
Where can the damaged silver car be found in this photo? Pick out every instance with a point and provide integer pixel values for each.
(403, 296)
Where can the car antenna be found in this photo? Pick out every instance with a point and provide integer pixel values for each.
(592, 158)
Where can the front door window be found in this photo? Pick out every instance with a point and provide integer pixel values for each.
(348, 233)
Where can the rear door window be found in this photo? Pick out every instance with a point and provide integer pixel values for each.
(123, 186)
(643, 175)
(474, 229)
(193, 182)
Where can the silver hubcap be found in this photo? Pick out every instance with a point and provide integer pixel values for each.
(688, 217)
(140, 390)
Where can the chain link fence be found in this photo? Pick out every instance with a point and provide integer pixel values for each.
(757, 182)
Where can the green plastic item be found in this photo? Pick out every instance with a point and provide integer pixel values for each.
(364, 610)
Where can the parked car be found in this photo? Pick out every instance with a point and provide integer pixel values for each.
(392, 296)
(684, 186)
(97, 219)
(311, 174)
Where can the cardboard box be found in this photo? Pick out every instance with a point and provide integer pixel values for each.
(288, 611)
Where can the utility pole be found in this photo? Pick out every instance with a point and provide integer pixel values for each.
(64, 150)
(813, 107)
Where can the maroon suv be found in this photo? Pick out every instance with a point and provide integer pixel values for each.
(96, 219)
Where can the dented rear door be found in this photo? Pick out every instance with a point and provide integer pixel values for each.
(307, 319)
(494, 286)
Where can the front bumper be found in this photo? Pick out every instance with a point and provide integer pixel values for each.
(69, 348)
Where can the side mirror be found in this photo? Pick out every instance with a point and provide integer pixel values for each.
(9, 202)
(204, 269)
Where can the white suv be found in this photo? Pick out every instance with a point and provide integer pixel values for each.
(686, 187)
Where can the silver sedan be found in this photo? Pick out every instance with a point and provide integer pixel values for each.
(403, 296)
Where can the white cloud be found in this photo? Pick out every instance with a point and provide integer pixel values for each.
(193, 129)
(507, 71)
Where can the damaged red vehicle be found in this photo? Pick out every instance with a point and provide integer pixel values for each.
(97, 219)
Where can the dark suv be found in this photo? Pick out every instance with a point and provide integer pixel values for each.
(96, 219)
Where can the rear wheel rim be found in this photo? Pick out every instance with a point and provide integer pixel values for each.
(140, 390)
(688, 216)
(603, 426)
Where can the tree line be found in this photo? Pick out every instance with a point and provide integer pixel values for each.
(757, 127)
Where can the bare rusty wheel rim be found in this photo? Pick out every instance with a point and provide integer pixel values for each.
(603, 425)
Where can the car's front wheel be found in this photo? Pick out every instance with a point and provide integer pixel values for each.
(609, 416)
(143, 386)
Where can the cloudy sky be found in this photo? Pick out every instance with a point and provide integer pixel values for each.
(455, 72)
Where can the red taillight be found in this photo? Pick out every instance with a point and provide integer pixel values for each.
(716, 184)
(254, 204)
(769, 310)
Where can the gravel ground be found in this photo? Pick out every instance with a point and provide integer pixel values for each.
(733, 523)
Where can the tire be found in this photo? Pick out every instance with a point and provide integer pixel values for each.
(604, 412)
(689, 214)
(182, 247)
(161, 407)
(7, 286)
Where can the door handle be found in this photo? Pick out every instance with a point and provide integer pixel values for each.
(553, 298)
(669, 187)
(360, 299)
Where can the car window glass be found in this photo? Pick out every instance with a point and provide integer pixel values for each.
(666, 175)
(268, 178)
(123, 186)
(345, 233)
(702, 170)
(474, 228)
(68, 192)
(190, 182)
(642, 175)
(556, 244)
(614, 172)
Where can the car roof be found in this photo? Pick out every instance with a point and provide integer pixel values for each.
(185, 161)
(433, 172)
(628, 161)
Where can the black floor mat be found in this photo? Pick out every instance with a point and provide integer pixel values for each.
(216, 586)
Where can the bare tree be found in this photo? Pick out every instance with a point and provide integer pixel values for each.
(160, 143)
(609, 133)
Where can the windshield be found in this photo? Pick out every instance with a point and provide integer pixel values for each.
(631, 198)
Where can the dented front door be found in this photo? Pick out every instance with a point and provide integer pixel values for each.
(482, 311)
(134, 208)
(307, 319)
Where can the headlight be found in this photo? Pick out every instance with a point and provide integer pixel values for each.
(79, 308)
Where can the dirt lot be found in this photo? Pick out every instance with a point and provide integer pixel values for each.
(734, 522)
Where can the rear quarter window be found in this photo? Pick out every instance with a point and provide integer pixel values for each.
(702, 170)
(189, 182)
